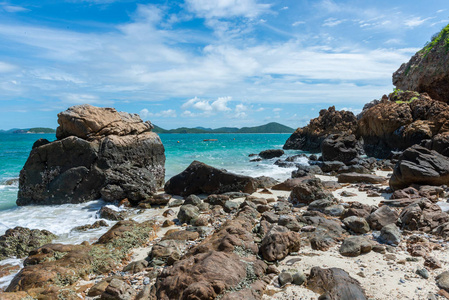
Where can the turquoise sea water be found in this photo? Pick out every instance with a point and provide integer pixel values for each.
(229, 151)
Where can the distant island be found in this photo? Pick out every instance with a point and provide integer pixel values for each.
(272, 127)
(29, 130)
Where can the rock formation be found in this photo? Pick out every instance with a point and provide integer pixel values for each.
(400, 121)
(428, 70)
(310, 137)
(99, 152)
(340, 147)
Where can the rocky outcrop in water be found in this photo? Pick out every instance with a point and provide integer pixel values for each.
(99, 152)
(428, 70)
(310, 137)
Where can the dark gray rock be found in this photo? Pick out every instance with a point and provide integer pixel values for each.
(390, 234)
(200, 178)
(340, 147)
(111, 214)
(272, 153)
(442, 281)
(285, 278)
(356, 224)
(188, 213)
(299, 278)
(355, 245)
(193, 199)
(419, 165)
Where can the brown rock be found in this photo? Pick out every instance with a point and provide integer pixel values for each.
(90, 122)
(423, 215)
(181, 235)
(334, 283)
(310, 137)
(382, 217)
(427, 70)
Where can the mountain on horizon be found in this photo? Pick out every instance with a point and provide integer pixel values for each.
(272, 127)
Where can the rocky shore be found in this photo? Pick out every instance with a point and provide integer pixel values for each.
(365, 219)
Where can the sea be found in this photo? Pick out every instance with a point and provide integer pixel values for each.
(224, 151)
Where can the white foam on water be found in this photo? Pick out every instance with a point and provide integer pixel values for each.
(4, 281)
(59, 219)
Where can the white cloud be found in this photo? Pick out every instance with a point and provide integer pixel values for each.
(415, 21)
(277, 109)
(169, 113)
(227, 8)
(298, 23)
(74, 99)
(219, 105)
(13, 8)
(188, 114)
(284, 8)
(440, 11)
(6, 67)
(331, 22)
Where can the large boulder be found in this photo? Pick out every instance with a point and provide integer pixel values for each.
(340, 147)
(419, 165)
(310, 137)
(428, 70)
(114, 158)
(401, 120)
(200, 178)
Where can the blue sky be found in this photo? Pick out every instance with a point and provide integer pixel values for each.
(205, 63)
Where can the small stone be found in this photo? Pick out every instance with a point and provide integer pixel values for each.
(285, 278)
(299, 278)
(379, 249)
(390, 256)
(175, 203)
(361, 274)
(423, 273)
(168, 213)
(432, 262)
(168, 223)
(412, 259)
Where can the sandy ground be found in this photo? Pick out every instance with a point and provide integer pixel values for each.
(383, 276)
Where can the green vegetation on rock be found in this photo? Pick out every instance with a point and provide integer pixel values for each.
(443, 35)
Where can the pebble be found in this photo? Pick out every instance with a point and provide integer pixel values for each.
(423, 273)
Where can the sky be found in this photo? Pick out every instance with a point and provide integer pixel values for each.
(205, 63)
